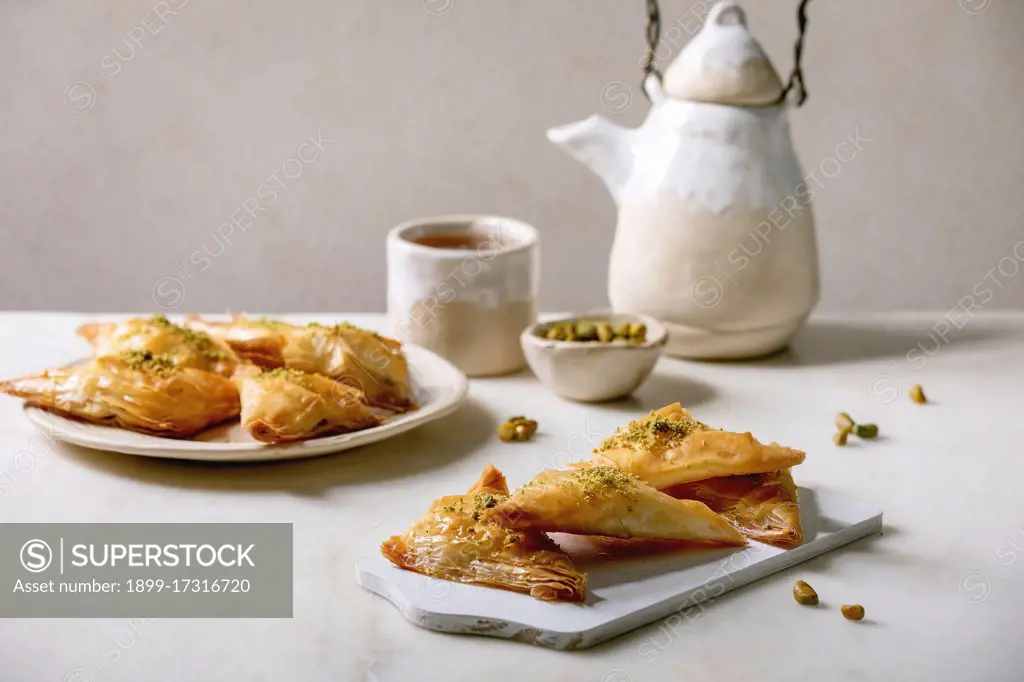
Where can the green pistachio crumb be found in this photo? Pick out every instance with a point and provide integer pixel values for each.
(290, 375)
(146, 361)
(652, 432)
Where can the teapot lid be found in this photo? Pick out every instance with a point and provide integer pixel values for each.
(724, 64)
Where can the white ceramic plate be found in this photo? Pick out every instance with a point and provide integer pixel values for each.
(439, 388)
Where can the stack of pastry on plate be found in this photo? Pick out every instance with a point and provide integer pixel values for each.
(286, 382)
(665, 477)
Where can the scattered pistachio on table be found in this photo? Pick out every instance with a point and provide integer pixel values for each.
(517, 429)
(589, 330)
(917, 394)
(844, 421)
(852, 611)
(846, 426)
(804, 594)
(865, 430)
(507, 432)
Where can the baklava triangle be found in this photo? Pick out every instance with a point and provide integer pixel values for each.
(604, 500)
(133, 390)
(285, 405)
(669, 447)
(453, 541)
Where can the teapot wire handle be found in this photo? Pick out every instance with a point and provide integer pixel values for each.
(651, 81)
(796, 77)
(649, 65)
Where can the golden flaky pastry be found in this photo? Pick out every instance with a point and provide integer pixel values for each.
(762, 506)
(260, 340)
(362, 359)
(669, 447)
(284, 405)
(159, 336)
(134, 390)
(453, 542)
(372, 363)
(604, 500)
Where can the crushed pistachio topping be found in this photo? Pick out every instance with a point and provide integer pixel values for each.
(335, 327)
(291, 375)
(146, 361)
(651, 433)
(269, 323)
(602, 480)
(201, 343)
(482, 501)
(197, 341)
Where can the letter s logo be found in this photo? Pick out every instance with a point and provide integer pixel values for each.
(36, 556)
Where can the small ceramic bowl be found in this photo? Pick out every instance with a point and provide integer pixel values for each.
(592, 371)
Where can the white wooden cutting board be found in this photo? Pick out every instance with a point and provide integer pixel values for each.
(622, 594)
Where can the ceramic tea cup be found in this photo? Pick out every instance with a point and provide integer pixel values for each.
(465, 287)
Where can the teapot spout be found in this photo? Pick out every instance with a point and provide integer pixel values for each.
(602, 146)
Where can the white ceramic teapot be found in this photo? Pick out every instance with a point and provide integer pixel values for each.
(715, 235)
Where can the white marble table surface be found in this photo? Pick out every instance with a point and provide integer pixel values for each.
(943, 587)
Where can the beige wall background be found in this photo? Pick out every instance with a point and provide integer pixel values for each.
(130, 131)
